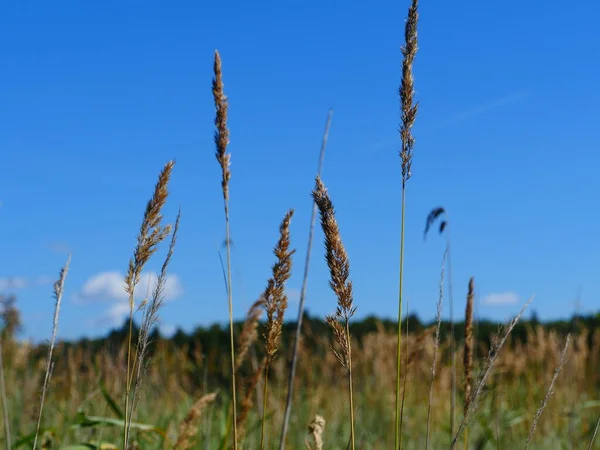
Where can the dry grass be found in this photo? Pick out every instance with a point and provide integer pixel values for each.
(224, 159)
(59, 288)
(316, 430)
(408, 115)
(295, 352)
(188, 428)
(151, 234)
(550, 392)
(339, 272)
(436, 347)
(276, 303)
(86, 378)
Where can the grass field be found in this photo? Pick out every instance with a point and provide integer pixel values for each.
(447, 385)
(88, 383)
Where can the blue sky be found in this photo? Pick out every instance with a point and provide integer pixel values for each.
(97, 96)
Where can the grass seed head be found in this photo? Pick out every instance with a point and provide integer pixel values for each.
(221, 132)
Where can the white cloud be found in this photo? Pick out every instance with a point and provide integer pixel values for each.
(109, 287)
(503, 298)
(114, 315)
(15, 283)
(293, 296)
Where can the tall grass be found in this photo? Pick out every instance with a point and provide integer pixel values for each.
(433, 216)
(152, 233)
(488, 368)
(550, 392)
(339, 271)
(170, 417)
(4, 400)
(408, 115)
(276, 303)
(297, 336)
(436, 347)
(59, 287)
(469, 351)
(224, 159)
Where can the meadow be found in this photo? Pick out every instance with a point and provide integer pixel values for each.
(276, 380)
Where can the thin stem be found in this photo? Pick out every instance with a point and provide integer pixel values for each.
(58, 294)
(594, 435)
(4, 401)
(128, 381)
(397, 440)
(231, 337)
(294, 362)
(350, 393)
(452, 336)
(489, 366)
(264, 414)
(435, 350)
(405, 376)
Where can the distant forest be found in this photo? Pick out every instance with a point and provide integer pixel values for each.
(216, 337)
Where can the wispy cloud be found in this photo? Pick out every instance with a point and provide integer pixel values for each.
(487, 107)
(503, 298)
(58, 247)
(461, 116)
(18, 282)
(109, 287)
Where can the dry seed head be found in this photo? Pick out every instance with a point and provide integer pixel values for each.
(247, 401)
(151, 232)
(335, 253)
(550, 392)
(315, 430)
(407, 90)
(187, 428)
(274, 296)
(495, 347)
(340, 336)
(249, 334)
(152, 308)
(221, 133)
(469, 347)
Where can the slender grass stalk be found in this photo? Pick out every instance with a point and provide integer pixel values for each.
(550, 392)
(275, 305)
(431, 218)
(468, 353)
(222, 141)
(405, 371)
(151, 234)
(452, 336)
(339, 269)
(4, 398)
(408, 115)
(487, 370)
(59, 288)
(294, 362)
(591, 444)
(435, 349)
(265, 394)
